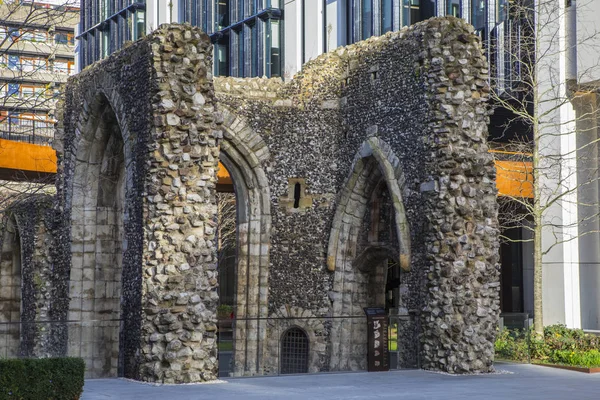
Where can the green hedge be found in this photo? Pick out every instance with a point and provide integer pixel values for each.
(44, 378)
(559, 345)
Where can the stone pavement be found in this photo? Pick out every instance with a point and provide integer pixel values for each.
(519, 382)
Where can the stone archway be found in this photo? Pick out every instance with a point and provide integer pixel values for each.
(360, 274)
(242, 151)
(10, 289)
(97, 236)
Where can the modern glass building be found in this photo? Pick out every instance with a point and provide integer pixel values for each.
(271, 37)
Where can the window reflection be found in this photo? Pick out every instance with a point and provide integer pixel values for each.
(478, 13)
(275, 49)
(222, 57)
(387, 15)
(453, 8)
(367, 19)
(222, 14)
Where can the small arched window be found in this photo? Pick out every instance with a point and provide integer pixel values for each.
(294, 351)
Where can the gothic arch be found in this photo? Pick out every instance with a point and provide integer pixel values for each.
(100, 226)
(375, 165)
(242, 152)
(10, 288)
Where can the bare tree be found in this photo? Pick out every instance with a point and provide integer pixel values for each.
(36, 57)
(226, 225)
(542, 85)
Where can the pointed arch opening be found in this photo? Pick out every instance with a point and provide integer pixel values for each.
(247, 277)
(10, 290)
(369, 248)
(97, 243)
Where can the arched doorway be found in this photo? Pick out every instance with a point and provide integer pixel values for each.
(97, 215)
(369, 246)
(295, 349)
(10, 290)
(246, 277)
(226, 267)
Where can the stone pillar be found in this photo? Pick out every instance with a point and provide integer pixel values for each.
(179, 294)
(462, 282)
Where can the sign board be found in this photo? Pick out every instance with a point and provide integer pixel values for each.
(377, 339)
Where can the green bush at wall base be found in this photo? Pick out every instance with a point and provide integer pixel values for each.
(44, 378)
(558, 345)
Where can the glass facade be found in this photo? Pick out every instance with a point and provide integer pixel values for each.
(251, 37)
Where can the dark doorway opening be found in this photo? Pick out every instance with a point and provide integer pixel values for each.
(294, 351)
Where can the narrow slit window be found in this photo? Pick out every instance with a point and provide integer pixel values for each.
(296, 195)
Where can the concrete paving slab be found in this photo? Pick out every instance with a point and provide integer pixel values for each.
(521, 381)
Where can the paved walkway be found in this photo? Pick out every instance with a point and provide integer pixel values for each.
(523, 382)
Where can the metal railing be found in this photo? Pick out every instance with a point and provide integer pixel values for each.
(245, 347)
(27, 130)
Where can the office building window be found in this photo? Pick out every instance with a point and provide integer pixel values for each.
(13, 89)
(275, 48)
(139, 24)
(453, 7)
(366, 19)
(64, 38)
(222, 14)
(105, 43)
(253, 50)
(417, 10)
(478, 13)
(222, 56)
(387, 16)
(501, 10)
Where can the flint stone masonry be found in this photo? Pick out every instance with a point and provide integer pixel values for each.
(387, 140)
(25, 280)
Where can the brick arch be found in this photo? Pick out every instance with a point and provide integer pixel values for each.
(242, 151)
(102, 170)
(353, 281)
(287, 317)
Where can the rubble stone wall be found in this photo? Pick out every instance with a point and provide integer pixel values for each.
(373, 155)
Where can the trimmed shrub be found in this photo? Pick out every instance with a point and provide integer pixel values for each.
(559, 345)
(43, 378)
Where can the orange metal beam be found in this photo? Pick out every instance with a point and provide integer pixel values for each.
(514, 179)
(25, 161)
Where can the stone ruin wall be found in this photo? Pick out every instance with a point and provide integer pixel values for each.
(407, 109)
(422, 92)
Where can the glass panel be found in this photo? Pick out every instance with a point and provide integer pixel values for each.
(275, 49)
(410, 12)
(367, 18)
(61, 66)
(387, 15)
(222, 14)
(139, 25)
(453, 8)
(478, 13)
(182, 11)
(13, 89)
(222, 56)
(502, 10)
(254, 50)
